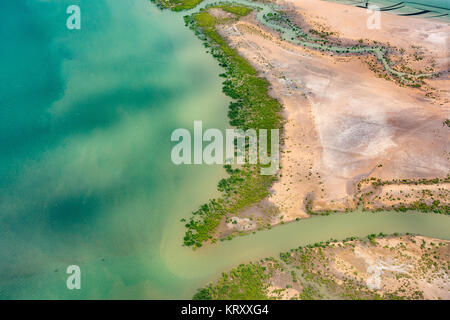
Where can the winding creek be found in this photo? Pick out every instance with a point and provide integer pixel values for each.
(207, 263)
(293, 34)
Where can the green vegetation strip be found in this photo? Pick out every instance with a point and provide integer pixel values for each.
(433, 206)
(252, 107)
(177, 5)
(421, 205)
(247, 281)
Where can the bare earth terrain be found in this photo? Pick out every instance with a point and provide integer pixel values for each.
(344, 120)
(376, 267)
(407, 267)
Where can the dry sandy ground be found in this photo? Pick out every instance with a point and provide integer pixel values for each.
(351, 23)
(342, 120)
(382, 268)
(412, 267)
(375, 267)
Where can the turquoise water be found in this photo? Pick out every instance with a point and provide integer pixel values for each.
(85, 123)
(86, 176)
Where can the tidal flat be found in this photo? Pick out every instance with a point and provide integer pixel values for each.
(85, 177)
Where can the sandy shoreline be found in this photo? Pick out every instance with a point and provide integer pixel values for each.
(343, 122)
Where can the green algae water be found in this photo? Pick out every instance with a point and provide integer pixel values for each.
(86, 177)
(85, 120)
